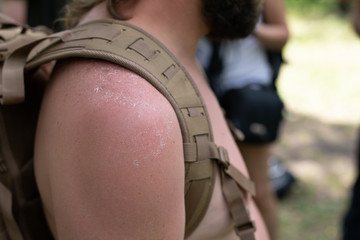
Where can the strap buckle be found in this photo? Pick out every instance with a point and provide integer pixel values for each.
(249, 226)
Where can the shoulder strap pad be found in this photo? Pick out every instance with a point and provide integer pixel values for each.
(130, 47)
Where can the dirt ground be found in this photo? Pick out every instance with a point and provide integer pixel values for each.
(321, 156)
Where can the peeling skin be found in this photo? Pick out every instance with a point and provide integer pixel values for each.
(104, 88)
(118, 143)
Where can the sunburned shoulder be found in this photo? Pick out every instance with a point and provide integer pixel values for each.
(120, 142)
(115, 95)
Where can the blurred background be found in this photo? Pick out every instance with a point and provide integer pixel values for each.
(320, 85)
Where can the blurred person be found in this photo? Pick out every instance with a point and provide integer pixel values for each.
(244, 81)
(16, 9)
(35, 12)
(116, 171)
(355, 17)
(344, 6)
(351, 222)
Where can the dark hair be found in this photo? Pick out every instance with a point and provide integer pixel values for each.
(231, 18)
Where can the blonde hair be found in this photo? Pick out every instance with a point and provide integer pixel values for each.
(76, 9)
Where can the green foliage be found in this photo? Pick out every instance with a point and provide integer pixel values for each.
(322, 62)
(321, 89)
(313, 7)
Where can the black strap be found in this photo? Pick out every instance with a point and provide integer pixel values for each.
(216, 65)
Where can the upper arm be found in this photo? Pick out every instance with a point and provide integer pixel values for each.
(116, 166)
(274, 33)
(274, 12)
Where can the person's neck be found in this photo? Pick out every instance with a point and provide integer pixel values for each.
(176, 24)
(179, 26)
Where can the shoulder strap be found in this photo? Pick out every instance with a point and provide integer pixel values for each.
(129, 46)
(15, 44)
(20, 206)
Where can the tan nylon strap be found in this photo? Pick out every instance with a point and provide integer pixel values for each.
(244, 227)
(131, 48)
(6, 210)
(203, 149)
(234, 173)
(170, 71)
(241, 179)
(190, 152)
(12, 88)
(144, 55)
(140, 46)
(230, 177)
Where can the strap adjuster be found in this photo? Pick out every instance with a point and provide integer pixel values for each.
(245, 227)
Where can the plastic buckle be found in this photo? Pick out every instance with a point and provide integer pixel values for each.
(244, 227)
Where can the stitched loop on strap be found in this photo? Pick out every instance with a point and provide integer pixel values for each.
(143, 49)
(144, 55)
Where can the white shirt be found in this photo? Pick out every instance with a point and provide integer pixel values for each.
(244, 62)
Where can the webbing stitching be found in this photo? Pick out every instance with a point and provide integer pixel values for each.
(170, 71)
(140, 46)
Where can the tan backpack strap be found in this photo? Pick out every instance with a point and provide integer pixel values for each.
(244, 226)
(19, 40)
(12, 89)
(231, 180)
(6, 211)
(130, 47)
(209, 150)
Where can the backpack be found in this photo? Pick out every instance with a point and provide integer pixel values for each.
(25, 50)
(259, 109)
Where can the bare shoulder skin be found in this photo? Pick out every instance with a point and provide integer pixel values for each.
(109, 156)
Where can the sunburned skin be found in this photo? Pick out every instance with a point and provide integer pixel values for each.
(109, 155)
(107, 137)
(116, 136)
(109, 89)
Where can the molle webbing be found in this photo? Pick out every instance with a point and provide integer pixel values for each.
(127, 46)
(130, 47)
